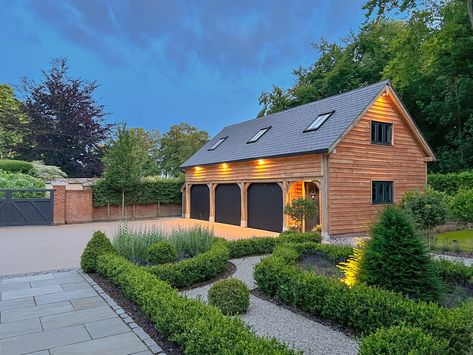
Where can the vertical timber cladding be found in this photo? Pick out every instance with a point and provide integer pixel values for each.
(200, 202)
(228, 204)
(265, 206)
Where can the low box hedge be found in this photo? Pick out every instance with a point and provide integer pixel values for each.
(197, 269)
(17, 166)
(265, 245)
(361, 308)
(454, 272)
(197, 328)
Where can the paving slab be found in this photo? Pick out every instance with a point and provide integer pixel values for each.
(35, 311)
(15, 286)
(43, 340)
(72, 286)
(65, 296)
(11, 295)
(17, 303)
(20, 327)
(88, 302)
(77, 317)
(11, 280)
(106, 327)
(125, 344)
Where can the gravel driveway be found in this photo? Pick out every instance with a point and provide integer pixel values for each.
(269, 319)
(44, 248)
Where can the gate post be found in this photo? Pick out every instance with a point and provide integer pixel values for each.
(59, 212)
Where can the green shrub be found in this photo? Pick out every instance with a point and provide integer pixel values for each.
(294, 237)
(10, 180)
(134, 243)
(231, 296)
(161, 253)
(362, 308)
(402, 341)
(17, 166)
(454, 272)
(253, 246)
(147, 191)
(47, 172)
(194, 326)
(451, 182)
(429, 209)
(462, 206)
(98, 245)
(299, 209)
(396, 259)
(199, 268)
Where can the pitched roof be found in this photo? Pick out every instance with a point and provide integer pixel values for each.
(286, 136)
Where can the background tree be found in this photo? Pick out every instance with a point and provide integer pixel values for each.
(124, 161)
(66, 126)
(148, 142)
(299, 209)
(429, 58)
(12, 118)
(462, 207)
(177, 145)
(395, 258)
(429, 209)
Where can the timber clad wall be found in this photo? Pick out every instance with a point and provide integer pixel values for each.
(357, 162)
(272, 169)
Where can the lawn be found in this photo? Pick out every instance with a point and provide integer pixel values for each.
(456, 241)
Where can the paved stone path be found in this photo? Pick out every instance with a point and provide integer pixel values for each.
(65, 313)
(269, 319)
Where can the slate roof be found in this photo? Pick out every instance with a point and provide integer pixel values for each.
(286, 136)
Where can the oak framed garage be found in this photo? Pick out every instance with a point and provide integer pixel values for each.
(332, 151)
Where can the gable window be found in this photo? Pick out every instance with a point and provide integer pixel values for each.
(381, 132)
(259, 134)
(319, 121)
(382, 192)
(217, 143)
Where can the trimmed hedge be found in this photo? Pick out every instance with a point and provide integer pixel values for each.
(362, 308)
(231, 296)
(451, 183)
(99, 244)
(161, 253)
(194, 326)
(259, 246)
(17, 166)
(402, 340)
(146, 192)
(454, 272)
(199, 268)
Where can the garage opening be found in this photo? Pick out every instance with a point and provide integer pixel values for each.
(200, 202)
(228, 204)
(265, 207)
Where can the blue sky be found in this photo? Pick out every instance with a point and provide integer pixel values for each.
(159, 62)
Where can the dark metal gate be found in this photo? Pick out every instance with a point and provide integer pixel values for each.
(26, 207)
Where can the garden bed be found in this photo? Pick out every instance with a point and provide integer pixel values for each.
(134, 311)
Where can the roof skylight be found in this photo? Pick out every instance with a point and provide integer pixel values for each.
(259, 134)
(217, 143)
(319, 121)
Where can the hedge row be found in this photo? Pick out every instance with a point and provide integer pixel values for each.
(362, 308)
(259, 246)
(402, 340)
(451, 182)
(197, 328)
(145, 192)
(199, 268)
(17, 166)
(454, 272)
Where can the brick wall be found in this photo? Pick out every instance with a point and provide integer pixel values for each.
(76, 206)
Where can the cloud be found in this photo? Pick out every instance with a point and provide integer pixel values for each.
(234, 37)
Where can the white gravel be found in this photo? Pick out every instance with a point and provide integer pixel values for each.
(466, 261)
(269, 319)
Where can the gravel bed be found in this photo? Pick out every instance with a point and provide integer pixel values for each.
(466, 261)
(269, 319)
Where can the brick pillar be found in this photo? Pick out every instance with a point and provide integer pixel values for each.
(59, 215)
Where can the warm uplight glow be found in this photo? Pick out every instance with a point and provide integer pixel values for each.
(198, 168)
(385, 93)
(225, 165)
(260, 161)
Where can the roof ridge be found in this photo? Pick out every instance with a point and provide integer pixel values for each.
(387, 81)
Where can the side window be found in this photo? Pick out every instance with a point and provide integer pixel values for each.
(382, 192)
(381, 133)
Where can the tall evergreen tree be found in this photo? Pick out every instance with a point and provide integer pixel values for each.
(396, 259)
(66, 126)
